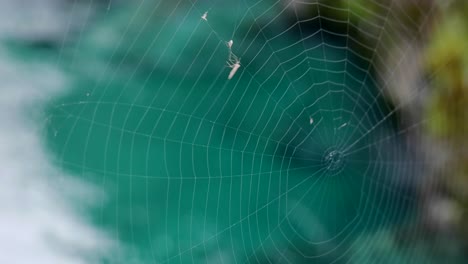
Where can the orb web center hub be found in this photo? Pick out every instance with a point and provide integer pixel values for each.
(334, 160)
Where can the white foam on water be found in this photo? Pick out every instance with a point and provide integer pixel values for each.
(38, 223)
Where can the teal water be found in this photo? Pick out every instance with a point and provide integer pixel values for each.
(198, 168)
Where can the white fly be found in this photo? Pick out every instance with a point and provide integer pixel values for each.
(204, 16)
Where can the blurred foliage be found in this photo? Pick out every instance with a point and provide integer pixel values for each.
(447, 62)
(447, 65)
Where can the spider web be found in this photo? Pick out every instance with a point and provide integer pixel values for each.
(297, 158)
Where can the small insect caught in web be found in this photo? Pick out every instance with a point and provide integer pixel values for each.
(233, 63)
(229, 44)
(311, 120)
(204, 16)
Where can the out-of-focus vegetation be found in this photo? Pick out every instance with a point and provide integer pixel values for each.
(447, 65)
(447, 106)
